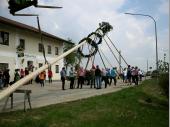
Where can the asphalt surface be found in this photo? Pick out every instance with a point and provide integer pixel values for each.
(53, 94)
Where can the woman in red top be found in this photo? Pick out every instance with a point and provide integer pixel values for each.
(81, 74)
(22, 73)
(50, 75)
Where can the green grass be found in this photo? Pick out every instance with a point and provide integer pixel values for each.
(141, 106)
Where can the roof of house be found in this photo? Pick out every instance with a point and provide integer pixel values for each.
(4, 20)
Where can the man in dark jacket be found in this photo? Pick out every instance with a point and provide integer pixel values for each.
(98, 77)
(6, 77)
(63, 77)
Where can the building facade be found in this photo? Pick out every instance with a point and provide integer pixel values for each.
(20, 47)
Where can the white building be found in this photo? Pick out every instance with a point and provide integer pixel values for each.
(14, 34)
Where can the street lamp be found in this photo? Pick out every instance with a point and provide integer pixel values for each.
(155, 34)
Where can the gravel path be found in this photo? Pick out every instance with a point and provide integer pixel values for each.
(52, 94)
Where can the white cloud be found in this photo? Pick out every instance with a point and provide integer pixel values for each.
(3, 4)
(78, 18)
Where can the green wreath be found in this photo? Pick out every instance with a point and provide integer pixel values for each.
(97, 35)
(92, 43)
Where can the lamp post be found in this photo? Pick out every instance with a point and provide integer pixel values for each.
(155, 34)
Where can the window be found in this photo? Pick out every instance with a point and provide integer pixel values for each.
(21, 47)
(49, 49)
(4, 38)
(56, 50)
(22, 43)
(56, 68)
(3, 66)
(40, 47)
(40, 65)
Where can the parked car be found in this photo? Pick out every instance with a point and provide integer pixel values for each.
(148, 73)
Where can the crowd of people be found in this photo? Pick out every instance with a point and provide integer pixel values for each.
(132, 75)
(5, 78)
(96, 77)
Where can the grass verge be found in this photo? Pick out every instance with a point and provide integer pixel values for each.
(141, 106)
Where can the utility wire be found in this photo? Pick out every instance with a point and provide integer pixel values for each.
(105, 57)
(90, 51)
(87, 63)
(93, 59)
(116, 49)
(102, 59)
(112, 51)
(108, 61)
(39, 28)
(88, 58)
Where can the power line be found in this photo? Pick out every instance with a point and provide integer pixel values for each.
(105, 57)
(111, 51)
(39, 28)
(102, 59)
(117, 50)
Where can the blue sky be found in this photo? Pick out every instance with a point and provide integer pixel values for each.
(133, 35)
(150, 7)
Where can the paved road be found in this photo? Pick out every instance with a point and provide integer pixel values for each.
(52, 94)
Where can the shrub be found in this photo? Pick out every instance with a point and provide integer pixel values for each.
(154, 74)
(164, 83)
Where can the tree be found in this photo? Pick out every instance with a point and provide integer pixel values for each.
(163, 66)
(73, 58)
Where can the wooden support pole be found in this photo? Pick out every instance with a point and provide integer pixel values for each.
(6, 102)
(24, 80)
(120, 67)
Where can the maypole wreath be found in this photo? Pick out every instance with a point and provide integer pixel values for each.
(92, 43)
(100, 32)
